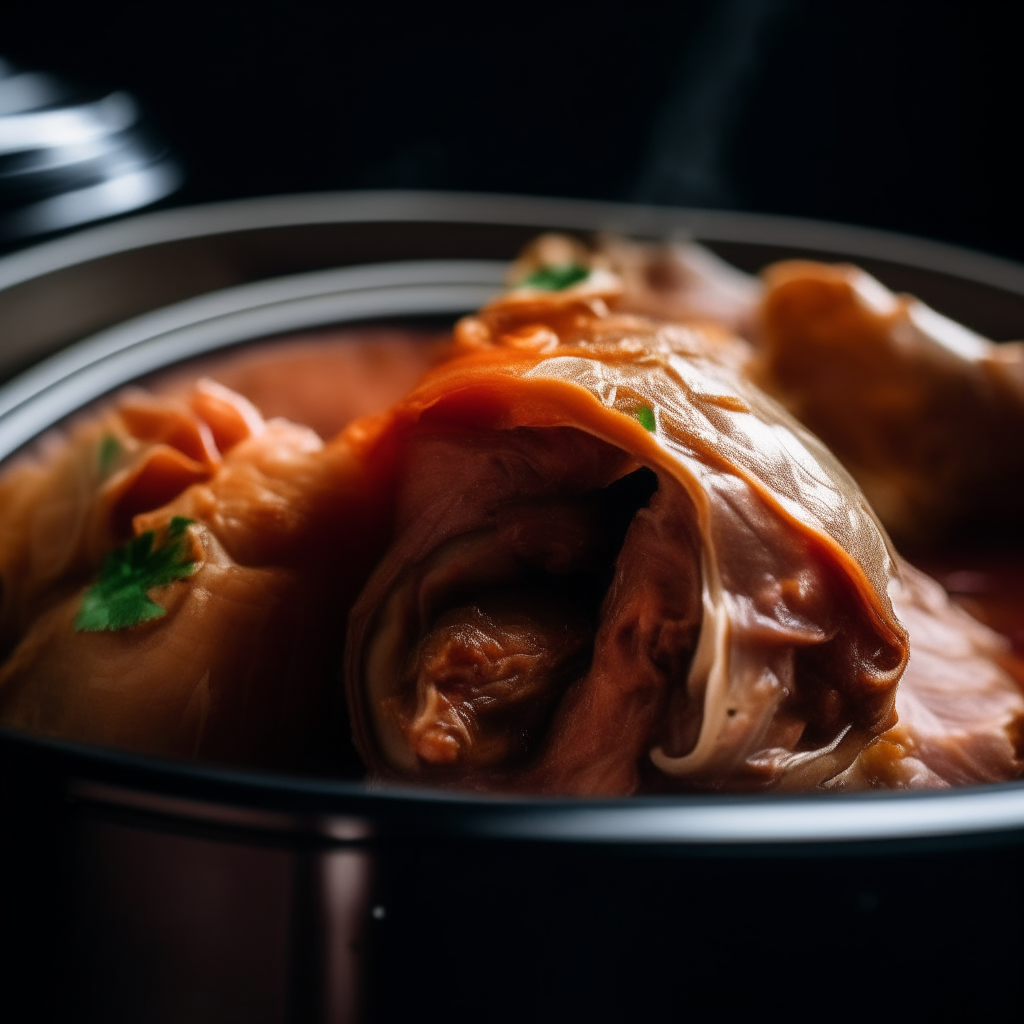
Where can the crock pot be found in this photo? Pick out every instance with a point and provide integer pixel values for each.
(144, 890)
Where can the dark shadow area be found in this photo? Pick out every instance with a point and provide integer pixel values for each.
(899, 115)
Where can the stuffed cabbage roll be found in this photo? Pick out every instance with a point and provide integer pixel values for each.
(170, 575)
(617, 566)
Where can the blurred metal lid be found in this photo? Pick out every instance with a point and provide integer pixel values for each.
(68, 156)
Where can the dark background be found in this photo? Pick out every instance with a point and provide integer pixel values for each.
(897, 115)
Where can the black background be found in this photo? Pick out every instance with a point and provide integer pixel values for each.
(898, 115)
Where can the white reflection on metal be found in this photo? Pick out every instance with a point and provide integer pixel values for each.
(27, 91)
(67, 126)
(769, 820)
(107, 199)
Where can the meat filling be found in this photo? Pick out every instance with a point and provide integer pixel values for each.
(485, 677)
(546, 625)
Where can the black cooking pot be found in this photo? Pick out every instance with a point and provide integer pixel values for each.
(136, 889)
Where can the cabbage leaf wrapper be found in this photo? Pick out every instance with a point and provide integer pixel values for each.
(617, 567)
(237, 664)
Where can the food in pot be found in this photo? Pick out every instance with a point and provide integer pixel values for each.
(586, 553)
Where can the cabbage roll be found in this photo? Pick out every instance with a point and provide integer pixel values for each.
(226, 654)
(619, 567)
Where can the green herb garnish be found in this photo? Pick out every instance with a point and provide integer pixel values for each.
(554, 279)
(110, 449)
(645, 414)
(118, 599)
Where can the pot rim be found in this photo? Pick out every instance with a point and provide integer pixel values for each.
(346, 811)
(355, 207)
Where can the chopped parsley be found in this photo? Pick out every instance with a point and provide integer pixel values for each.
(554, 279)
(110, 449)
(645, 414)
(119, 599)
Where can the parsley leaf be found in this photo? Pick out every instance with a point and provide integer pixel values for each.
(118, 599)
(110, 450)
(645, 414)
(554, 279)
